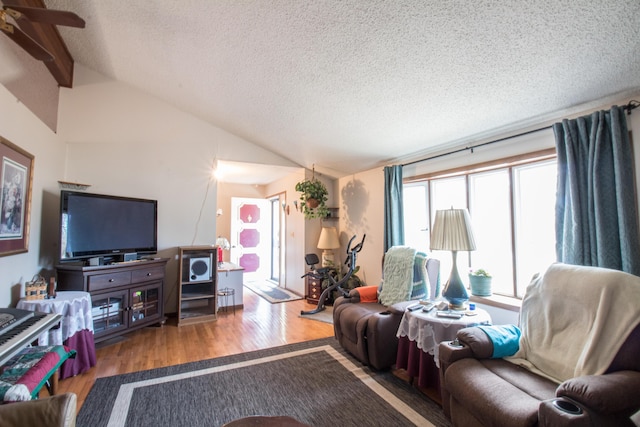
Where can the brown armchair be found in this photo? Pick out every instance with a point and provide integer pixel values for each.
(367, 328)
(54, 411)
(576, 366)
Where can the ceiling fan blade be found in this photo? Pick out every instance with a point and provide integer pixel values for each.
(26, 42)
(45, 16)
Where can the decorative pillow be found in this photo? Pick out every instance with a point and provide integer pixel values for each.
(368, 293)
(420, 287)
(505, 339)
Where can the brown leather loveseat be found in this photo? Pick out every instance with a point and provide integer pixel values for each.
(367, 328)
(577, 361)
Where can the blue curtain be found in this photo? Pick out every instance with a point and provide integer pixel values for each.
(596, 210)
(393, 211)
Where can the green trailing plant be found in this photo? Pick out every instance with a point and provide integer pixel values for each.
(313, 195)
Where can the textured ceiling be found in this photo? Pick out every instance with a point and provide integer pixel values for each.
(350, 85)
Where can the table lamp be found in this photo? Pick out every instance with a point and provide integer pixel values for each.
(328, 241)
(222, 243)
(452, 232)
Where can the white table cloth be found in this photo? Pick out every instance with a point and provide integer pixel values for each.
(428, 330)
(75, 308)
(75, 331)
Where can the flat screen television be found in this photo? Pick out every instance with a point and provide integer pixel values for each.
(98, 225)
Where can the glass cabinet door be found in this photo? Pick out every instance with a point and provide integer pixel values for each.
(108, 312)
(144, 303)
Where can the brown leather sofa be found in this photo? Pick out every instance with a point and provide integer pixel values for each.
(368, 330)
(478, 390)
(54, 411)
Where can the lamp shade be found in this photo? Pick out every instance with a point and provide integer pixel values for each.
(223, 243)
(328, 238)
(452, 231)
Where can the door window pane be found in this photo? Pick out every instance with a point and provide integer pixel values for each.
(275, 239)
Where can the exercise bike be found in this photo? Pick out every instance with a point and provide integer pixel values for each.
(324, 273)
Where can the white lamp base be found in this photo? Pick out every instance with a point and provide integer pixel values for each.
(327, 258)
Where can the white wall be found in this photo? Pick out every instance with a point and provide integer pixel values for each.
(21, 127)
(361, 202)
(124, 142)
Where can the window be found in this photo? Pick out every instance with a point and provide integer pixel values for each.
(512, 208)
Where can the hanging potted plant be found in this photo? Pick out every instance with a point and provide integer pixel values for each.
(480, 282)
(313, 196)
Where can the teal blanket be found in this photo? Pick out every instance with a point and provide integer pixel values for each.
(505, 338)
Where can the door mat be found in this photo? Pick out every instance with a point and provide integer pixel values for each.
(271, 292)
(325, 315)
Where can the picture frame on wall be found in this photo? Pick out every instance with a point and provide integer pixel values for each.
(16, 177)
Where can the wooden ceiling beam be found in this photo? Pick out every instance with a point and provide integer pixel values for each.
(61, 68)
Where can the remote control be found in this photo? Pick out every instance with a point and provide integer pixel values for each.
(449, 314)
(414, 307)
(443, 305)
(428, 307)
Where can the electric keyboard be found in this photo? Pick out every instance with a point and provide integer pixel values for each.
(18, 337)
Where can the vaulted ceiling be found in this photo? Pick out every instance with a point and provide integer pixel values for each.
(350, 85)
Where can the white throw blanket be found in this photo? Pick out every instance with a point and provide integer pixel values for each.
(574, 320)
(398, 275)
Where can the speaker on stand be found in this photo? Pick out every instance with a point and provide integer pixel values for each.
(199, 269)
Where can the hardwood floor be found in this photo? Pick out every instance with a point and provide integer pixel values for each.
(259, 325)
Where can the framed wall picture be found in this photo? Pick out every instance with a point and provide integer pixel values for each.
(16, 176)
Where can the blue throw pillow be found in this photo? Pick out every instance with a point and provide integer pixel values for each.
(420, 285)
(505, 338)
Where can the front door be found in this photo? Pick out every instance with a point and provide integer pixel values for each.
(251, 237)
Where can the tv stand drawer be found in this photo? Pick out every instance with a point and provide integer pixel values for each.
(111, 280)
(147, 274)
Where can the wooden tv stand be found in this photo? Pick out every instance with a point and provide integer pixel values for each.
(124, 296)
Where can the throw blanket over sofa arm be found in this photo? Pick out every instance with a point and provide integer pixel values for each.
(358, 295)
(572, 360)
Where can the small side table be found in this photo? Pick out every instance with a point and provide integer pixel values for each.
(75, 331)
(420, 334)
(314, 290)
(230, 276)
(226, 293)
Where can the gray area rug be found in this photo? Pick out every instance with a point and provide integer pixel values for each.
(315, 382)
(325, 315)
(271, 292)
